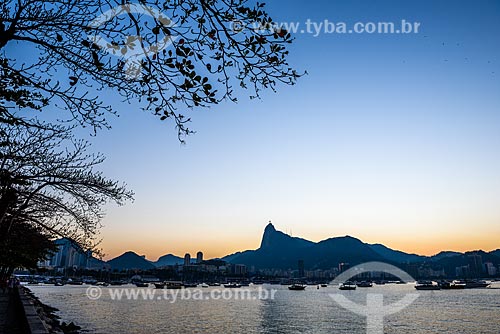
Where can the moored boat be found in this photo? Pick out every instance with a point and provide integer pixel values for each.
(101, 284)
(347, 286)
(297, 287)
(174, 285)
(476, 284)
(159, 285)
(453, 285)
(427, 285)
(364, 284)
(232, 285)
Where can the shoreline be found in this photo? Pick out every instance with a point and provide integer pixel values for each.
(47, 314)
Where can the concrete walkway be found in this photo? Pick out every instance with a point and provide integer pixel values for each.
(11, 317)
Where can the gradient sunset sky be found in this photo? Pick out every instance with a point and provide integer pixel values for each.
(393, 139)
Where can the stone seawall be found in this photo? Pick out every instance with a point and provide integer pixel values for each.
(41, 318)
(33, 318)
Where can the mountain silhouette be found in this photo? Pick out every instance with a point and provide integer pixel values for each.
(444, 255)
(273, 239)
(168, 260)
(279, 250)
(130, 260)
(395, 255)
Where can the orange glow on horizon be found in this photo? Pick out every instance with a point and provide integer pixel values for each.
(422, 245)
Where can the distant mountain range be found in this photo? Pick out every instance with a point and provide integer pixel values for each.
(281, 251)
(131, 260)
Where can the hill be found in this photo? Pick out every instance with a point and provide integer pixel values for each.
(130, 260)
(395, 255)
(168, 260)
(279, 250)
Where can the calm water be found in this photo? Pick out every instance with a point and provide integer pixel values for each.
(309, 311)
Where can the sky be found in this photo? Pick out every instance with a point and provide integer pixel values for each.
(390, 138)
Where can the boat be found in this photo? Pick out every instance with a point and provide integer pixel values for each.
(427, 285)
(232, 285)
(364, 284)
(453, 285)
(324, 285)
(297, 287)
(347, 286)
(58, 283)
(214, 284)
(190, 285)
(101, 284)
(174, 285)
(74, 282)
(204, 285)
(159, 285)
(141, 284)
(476, 284)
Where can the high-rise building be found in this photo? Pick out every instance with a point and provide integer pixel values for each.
(301, 268)
(69, 254)
(199, 257)
(187, 259)
(240, 269)
(490, 269)
(343, 267)
(475, 262)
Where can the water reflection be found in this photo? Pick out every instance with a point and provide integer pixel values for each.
(309, 311)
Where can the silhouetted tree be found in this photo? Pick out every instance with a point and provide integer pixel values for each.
(23, 246)
(48, 180)
(167, 55)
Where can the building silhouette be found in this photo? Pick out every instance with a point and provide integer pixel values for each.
(343, 267)
(301, 268)
(187, 259)
(475, 262)
(70, 255)
(199, 257)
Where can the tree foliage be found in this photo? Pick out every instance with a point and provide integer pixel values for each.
(23, 246)
(183, 53)
(69, 56)
(49, 181)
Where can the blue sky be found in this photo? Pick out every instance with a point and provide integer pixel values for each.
(389, 138)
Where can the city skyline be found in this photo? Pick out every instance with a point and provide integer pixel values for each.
(193, 251)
